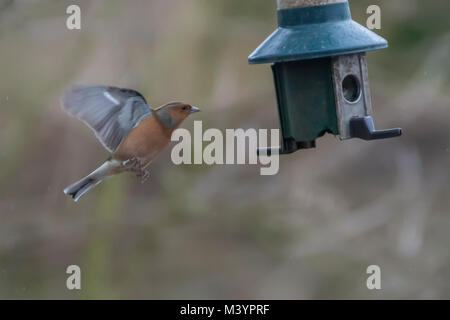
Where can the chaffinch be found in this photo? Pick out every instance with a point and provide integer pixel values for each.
(127, 127)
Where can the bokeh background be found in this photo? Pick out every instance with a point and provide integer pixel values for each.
(219, 231)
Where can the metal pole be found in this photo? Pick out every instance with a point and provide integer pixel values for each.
(287, 4)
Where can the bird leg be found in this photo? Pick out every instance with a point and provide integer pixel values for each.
(130, 164)
(136, 165)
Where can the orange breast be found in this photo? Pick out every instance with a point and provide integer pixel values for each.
(145, 141)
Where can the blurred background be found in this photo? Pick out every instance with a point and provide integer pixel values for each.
(219, 232)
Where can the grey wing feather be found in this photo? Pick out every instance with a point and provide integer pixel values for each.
(109, 111)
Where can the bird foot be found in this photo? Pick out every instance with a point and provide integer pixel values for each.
(136, 165)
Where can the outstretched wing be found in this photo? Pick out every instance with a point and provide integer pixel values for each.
(109, 111)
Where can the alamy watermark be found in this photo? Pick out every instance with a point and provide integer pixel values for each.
(374, 20)
(73, 21)
(74, 280)
(235, 146)
(374, 280)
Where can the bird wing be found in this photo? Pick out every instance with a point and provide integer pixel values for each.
(109, 111)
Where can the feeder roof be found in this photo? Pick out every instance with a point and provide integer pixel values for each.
(316, 32)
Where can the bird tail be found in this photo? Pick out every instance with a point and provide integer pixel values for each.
(79, 188)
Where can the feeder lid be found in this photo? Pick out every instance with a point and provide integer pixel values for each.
(316, 32)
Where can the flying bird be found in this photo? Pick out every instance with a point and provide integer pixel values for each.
(126, 125)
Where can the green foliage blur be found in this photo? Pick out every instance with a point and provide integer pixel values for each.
(219, 232)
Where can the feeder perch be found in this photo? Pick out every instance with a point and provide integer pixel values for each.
(318, 56)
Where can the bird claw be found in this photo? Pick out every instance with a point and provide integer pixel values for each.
(144, 175)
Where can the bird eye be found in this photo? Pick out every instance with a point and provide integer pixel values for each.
(184, 108)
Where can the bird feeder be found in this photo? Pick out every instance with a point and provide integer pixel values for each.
(318, 56)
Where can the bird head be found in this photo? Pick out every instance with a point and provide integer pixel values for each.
(173, 113)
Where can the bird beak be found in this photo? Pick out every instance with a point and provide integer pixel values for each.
(194, 110)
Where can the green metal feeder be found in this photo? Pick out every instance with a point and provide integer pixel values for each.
(320, 71)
